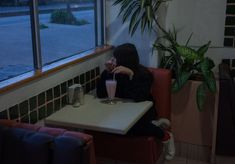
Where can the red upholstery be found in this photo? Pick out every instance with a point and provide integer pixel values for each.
(141, 150)
(27, 126)
(88, 149)
(9, 123)
(52, 131)
(161, 91)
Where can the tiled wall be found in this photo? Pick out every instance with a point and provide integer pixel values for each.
(45, 103)
(229, 31)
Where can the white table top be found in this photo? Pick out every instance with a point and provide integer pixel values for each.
(97, 116)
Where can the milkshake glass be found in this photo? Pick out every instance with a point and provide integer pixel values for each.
(111, 90)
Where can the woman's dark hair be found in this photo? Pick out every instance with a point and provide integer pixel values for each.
(127, 55)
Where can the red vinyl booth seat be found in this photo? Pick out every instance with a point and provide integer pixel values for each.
(62, 149)
(138, 149)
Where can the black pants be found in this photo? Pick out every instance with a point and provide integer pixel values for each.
(144, 127)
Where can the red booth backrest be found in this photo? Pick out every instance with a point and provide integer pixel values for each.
(161, 91)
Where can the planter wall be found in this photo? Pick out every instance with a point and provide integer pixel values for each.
(188, 123)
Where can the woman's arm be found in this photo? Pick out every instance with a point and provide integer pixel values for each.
(140, 87)
(137, 87)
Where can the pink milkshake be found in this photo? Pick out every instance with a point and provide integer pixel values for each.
(111, 88)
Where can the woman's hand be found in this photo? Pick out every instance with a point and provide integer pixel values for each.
(123, 70)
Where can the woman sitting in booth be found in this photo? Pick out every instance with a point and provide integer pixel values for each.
(134, 82)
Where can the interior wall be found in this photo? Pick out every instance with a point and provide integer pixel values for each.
(117, 33)
(205, 19)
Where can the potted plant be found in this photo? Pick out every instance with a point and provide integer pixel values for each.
(187, 63)
(184, 61)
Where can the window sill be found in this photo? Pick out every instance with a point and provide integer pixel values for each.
(21, 80)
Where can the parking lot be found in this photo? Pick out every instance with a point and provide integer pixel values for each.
(57, 41)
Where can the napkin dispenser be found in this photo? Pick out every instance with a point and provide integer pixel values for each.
(73, 93)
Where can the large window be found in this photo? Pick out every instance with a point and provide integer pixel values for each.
(35, 33)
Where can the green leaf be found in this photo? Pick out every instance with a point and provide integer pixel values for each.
(201, 96)
(180, 80)
(126, 3)
(134, 22)
(129, 11)
(133, 28)
(206, 65)
(149, 12)
(174, 34)
(143, 22)
(117, 2)
(142, 3)
(125, 6)
(169, 62)
(210, 81)
(203, 49)
(170, 37)
(187, 52)
(189, 38)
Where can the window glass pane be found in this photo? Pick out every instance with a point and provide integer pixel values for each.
(15, 39)
(66, 28)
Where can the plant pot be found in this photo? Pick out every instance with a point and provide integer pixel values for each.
(189, 125)
(196, 77)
